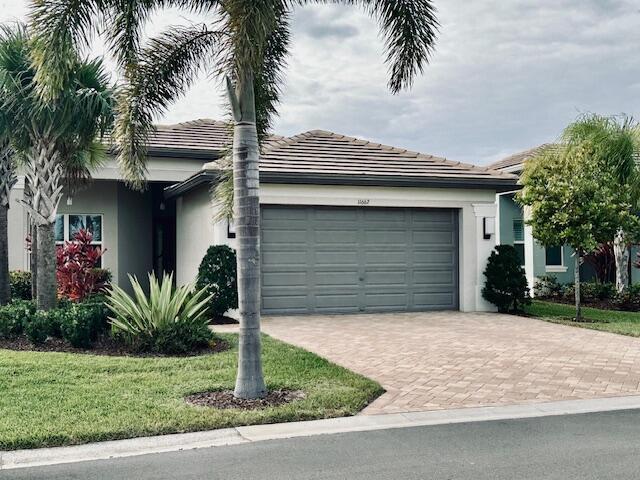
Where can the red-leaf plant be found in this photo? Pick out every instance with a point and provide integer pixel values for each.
(76, 262)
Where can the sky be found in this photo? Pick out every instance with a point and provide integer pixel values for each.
(506, 75)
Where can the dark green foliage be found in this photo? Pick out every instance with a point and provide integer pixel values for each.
(547, 286)
(176, 339)
(218, 275)
(14, 316)
(594, 291)
(38, 328)
(20, 285)
(629, 299)
(506, 284)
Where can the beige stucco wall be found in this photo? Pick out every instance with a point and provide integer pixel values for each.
(126, 226)
(196, 230)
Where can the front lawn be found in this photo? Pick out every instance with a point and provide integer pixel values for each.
(614, 321)
(50, 399)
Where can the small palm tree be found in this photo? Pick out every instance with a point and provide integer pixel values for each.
(615, 140)
(7, 180)
(56, 137)
(247, 43)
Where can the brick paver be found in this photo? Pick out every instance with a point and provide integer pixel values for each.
(430, 361)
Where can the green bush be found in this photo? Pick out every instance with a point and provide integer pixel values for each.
(218, 275)
(20, 285)
(14, 316)
(169, 320)
(594, 291)
(506, 283)
(547, 286)
(38, 328)
(629, 300)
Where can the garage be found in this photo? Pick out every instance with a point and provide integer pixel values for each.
(358, 259)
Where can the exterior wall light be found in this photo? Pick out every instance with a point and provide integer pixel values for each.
(488, 227)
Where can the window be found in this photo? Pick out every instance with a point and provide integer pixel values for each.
(67, 226)
(518, 238)
(554, 259)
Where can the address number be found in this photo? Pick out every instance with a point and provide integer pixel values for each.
(363, 201)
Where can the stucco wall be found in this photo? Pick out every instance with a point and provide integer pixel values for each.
(17, 229)
(196, 230)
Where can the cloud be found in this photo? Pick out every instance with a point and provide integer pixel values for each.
(506, 75)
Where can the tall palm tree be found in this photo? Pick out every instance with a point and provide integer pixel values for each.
(247, 43)
(7, 180)
(615, 140)
(55, 136)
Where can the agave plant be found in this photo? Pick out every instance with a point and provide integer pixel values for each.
(144, 321)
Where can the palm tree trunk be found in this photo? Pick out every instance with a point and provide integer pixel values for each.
(246, 155)
(577, 286)
(5, 286)
(621, 253)
(45, 177)
(46, 279)
(33, 259)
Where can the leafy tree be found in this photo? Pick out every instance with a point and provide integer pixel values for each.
(573, 197)
(616, 143)
(247, 43)
(55, 137)
(506, 285)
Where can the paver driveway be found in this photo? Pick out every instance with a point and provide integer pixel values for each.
(429, 361)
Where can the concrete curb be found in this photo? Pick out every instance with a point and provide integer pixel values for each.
(256, 433)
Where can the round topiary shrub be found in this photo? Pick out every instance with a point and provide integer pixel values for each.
(506, 284)
(218, 275)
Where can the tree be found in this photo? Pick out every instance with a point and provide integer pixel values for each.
(574, 198)
(506, 285)
(7, 180)
(247, 43)
(616, 143)
(56, 137)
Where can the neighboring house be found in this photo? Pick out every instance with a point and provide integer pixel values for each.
(512, 230)
(347, 225)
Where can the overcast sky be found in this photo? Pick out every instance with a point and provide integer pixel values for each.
(506, 75)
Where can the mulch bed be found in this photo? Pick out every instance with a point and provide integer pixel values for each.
(223, 320)
(600, 304)
(105, 345)
(224, 399)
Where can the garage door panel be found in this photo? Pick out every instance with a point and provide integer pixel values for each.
(343, 259)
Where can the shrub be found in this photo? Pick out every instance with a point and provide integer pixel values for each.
(169, 320)
(506, 284)
(38, 328)
(595, 291)
(20, 285)
(14, 316)
(218, 275)
(629, 300)
(547, 286)
(76, 271)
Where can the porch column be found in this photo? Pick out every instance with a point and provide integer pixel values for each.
(528, 250)
(484, 247)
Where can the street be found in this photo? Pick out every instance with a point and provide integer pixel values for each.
(589, 446)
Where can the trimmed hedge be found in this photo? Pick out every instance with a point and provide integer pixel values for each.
(218, 275)
(20, 282)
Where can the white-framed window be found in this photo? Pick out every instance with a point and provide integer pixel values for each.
(68, 224)
(554, 259)
(518, 238)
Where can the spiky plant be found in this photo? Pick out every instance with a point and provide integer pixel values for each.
(7, 180)
(56, 136)
(247, 42)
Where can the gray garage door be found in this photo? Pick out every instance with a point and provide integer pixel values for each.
(342, 259)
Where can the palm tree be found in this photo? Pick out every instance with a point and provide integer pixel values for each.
(615, 140)
(7, 180)
(247, 43)
(56, 137)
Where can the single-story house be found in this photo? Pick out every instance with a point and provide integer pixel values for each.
(512, 229)
(347, 225)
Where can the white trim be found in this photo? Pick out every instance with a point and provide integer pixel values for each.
(528, 250)
(562, 268)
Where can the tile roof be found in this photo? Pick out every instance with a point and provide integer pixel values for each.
(519, 158)
(319, 152)
(205, 135)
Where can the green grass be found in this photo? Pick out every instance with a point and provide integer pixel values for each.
(50, 399)
(614, 321)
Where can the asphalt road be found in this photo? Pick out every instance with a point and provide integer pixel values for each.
(591, 446)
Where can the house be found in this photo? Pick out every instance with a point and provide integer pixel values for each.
(538, 261)
(348, 225)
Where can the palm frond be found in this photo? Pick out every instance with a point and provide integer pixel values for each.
(409, 28)
(166, 68)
